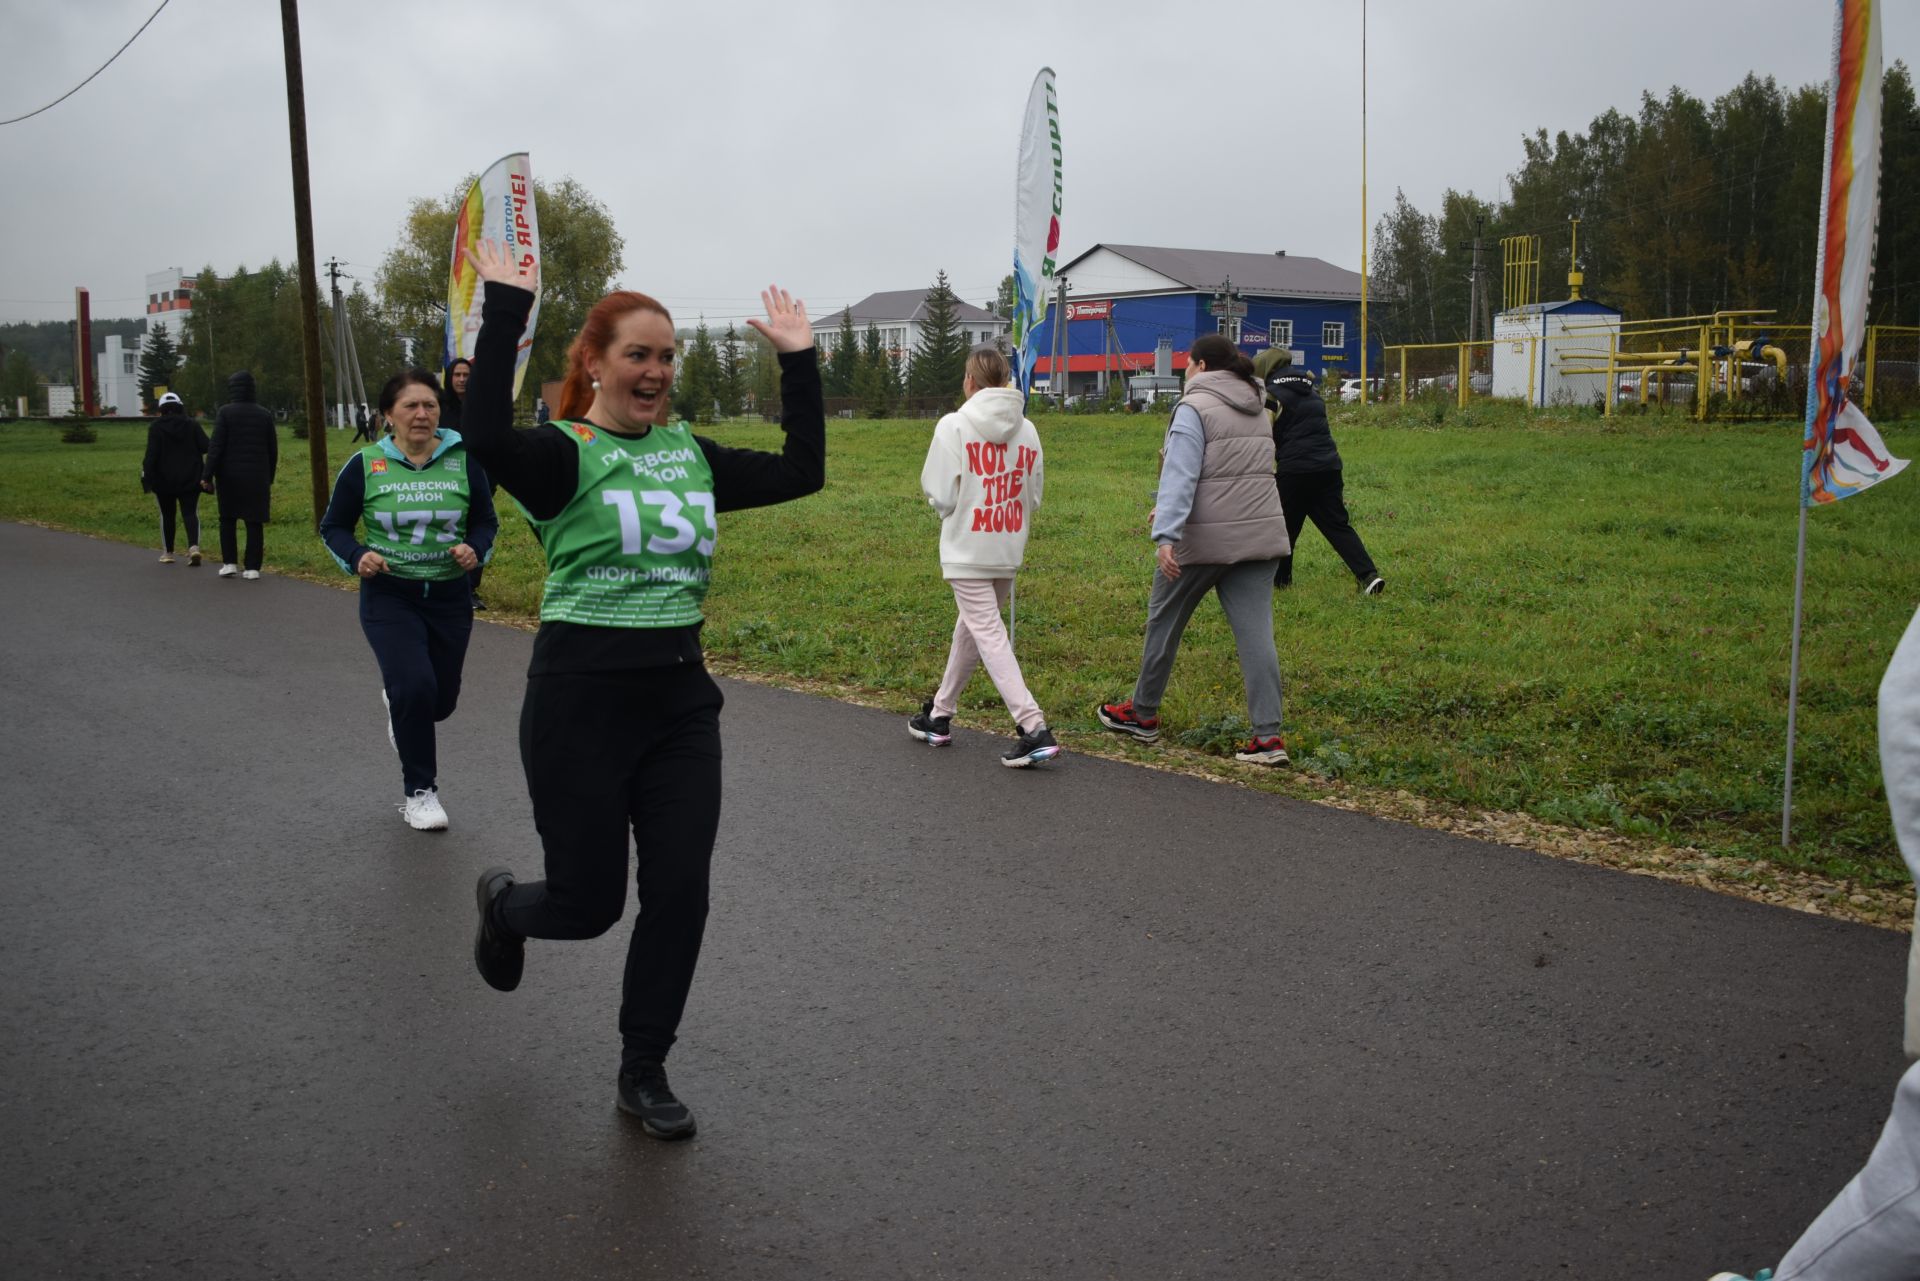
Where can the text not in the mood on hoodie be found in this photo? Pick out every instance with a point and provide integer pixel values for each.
(1002, 511)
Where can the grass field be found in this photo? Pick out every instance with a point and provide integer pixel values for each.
(1587, 622)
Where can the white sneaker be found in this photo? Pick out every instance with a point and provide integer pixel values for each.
(390, 738)
(228, 571)
(423, 812)
(249, 573)
(166, 558)
(193, 555)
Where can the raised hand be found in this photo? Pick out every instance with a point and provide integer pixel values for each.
(786, 325)
(494, 262)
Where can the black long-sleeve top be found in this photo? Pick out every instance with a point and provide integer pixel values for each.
(349, 502)
(540, 467)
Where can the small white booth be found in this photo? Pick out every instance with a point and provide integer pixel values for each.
(1533, 344)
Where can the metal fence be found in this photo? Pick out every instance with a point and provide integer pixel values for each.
(1730, 365)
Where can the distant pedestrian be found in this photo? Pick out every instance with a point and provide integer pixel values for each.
(1871, 1230)
(983, 475)
(1218, 527)
(1307, 469)
(540, 412)
(362, 426)
(241, 463)
(171, 473)
(453, 397)
(427, 512)
(453, 391)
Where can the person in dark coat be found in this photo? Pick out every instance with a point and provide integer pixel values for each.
(453, 392)
(171, 473)
(241, 462)
(1306, 466)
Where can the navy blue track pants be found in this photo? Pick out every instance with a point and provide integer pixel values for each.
(419, 633)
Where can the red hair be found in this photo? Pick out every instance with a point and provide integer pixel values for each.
(576, 393)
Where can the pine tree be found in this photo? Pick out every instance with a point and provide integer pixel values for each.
(875, 384)
(1004, 302)
(18, 381)
(843, 362)
(730, 390)
(940, 361)
(159, 365)
(762, 375)
(695, 384)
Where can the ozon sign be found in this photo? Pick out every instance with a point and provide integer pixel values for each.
(1090, 310)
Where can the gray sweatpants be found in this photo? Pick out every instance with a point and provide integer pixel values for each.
(1246, 594)
(1871, 1232)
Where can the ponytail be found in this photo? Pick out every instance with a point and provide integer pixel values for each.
(1216, 353)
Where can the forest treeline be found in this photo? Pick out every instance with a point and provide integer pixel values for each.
(1685, 208)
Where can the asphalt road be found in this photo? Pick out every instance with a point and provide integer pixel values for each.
(952, 1020)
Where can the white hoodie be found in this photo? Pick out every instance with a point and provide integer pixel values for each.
(983, 475)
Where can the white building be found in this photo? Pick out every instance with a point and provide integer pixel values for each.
(900, 315)
(117, 376)
(1534, 346)
(169, 302)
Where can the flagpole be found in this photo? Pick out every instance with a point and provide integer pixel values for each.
(1793, 673)
(1363, 201)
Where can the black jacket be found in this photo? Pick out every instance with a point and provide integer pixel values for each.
(1302, 442)
(244, 454)
(171, 468)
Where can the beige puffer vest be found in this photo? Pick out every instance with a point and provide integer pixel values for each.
(1236, 505)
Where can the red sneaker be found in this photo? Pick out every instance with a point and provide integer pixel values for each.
(1120, 718)
(1264, 751)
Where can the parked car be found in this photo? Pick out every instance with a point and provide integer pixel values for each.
(1350, 389)
(1478, 384)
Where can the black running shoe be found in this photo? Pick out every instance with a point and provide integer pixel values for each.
(1373, 586)
(1031, 749)
(498, 955)
(644, 1093)
(934, 731)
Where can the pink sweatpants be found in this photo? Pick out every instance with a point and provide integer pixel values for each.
(980, 637)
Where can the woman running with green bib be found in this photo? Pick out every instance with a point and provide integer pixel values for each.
(620, 729)
(428, 519)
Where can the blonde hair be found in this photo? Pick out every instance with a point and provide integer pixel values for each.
(987, 367)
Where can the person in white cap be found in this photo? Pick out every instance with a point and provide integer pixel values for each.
(171, 473)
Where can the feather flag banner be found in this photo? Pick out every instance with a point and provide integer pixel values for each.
(499, 206)
(1842, 453)
(1036, 221)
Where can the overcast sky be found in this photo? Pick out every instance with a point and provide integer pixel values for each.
(838, 148)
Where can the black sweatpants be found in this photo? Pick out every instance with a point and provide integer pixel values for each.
(419, 633)
(1320, 496)
(188, 506)
(229, 544)
(606, 753)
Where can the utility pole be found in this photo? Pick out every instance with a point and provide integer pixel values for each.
(1473, 289)
(303, 239)
(339, 343)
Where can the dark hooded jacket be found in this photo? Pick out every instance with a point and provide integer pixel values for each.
(244, 454)
(1302, 442)
(175, 443)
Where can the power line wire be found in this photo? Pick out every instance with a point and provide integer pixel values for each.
(89, 80)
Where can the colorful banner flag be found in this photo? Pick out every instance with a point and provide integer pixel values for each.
(1843, 454)
(1036, 221)
(499, 206)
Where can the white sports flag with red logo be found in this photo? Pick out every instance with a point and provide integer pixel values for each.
(1036, 221)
